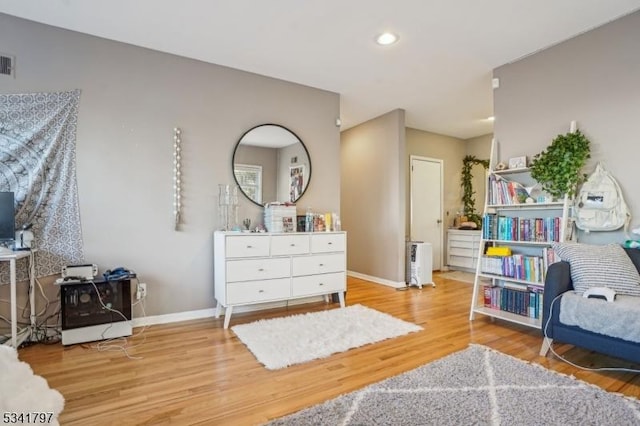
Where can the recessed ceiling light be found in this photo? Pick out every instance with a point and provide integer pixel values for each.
(491, 118)
(386, 39)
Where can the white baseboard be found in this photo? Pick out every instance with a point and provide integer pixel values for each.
(394, 284)
(210, 313)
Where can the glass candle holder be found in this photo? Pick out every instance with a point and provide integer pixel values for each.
(227, 206)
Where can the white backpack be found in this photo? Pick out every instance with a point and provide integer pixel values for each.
(600, 206)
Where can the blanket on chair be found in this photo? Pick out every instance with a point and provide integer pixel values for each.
(620, 318)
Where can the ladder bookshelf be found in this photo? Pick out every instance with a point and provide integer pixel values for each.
(516, 246)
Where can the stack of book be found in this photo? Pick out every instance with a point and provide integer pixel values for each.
(510, 228)
(280, 217)
(504, 192)
(526, 301)
(519, 266)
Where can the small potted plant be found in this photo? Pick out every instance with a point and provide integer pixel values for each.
(557, 168)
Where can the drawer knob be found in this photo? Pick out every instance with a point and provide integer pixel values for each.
(261, 269)
(321, 284)
(330, 243)
(249, 247)
(260, 291)
(322, 264)
(293, 245)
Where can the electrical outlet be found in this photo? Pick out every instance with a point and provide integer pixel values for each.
(142, 291)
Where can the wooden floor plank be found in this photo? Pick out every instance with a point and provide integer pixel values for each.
(195, 372)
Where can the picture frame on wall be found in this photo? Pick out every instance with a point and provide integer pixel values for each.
(296, 182)
(518, 162)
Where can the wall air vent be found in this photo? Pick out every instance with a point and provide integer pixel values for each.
(7, 64)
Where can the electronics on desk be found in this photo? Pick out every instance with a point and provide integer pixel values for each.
(88, 271)
(24, 239)
(7, 218)
(75, 274)
(95, 310)
(119, 273)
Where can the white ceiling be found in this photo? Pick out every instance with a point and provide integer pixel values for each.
(439, 71)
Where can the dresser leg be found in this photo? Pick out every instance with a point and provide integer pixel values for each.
(227, 316)
(341, 297)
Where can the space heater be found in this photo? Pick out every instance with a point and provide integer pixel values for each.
(419, 264)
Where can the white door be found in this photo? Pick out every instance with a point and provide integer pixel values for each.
(426, 205)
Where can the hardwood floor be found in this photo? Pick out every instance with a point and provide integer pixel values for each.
(196, 372)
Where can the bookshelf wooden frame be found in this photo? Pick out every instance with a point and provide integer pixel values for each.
(521, 175)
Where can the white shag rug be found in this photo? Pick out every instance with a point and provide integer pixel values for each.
(281, 342)
(26, 394)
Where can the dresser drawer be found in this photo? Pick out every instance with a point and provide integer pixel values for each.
(318, 284)
(463, 262)
(247, 246)
(458, 251)
(289, 244)
(318, 264)
(326, 243)
(258, 269)
(258, 291)
(463, 244)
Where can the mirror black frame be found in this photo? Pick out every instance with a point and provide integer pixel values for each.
(235, 150)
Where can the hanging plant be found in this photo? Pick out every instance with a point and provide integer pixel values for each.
(468, 198)
(558, 167)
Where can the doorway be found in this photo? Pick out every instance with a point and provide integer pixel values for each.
(426, 204)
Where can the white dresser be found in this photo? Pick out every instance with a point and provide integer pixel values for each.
(463, 247)
(252, 268)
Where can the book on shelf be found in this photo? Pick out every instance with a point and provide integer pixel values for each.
(517, 266)
(524, 302)
(514, 228)
(504, 192)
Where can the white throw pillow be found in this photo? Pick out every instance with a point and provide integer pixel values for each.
(600, 266)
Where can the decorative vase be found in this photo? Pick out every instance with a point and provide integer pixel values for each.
(228, 206)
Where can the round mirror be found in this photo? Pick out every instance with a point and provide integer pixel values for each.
(270, 163)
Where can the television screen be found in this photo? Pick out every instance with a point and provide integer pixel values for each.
(7, 217)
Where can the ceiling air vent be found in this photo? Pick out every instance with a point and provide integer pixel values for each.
(7, 64)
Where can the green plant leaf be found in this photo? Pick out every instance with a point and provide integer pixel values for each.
(468, 198)
(557, 168)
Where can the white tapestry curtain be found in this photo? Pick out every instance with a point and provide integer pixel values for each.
(38, 163)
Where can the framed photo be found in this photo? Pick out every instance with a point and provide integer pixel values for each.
(296, 182)
(518, 162)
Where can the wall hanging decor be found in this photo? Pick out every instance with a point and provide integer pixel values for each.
(177, 176)
(38, 164)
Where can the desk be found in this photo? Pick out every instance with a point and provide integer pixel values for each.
(11, 258)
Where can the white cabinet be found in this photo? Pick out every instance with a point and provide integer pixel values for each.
(258, 268)
(462, 249)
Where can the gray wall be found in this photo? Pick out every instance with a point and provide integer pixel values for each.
(131, 100)
(451, 151)
(593, 79)
(373, 196)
